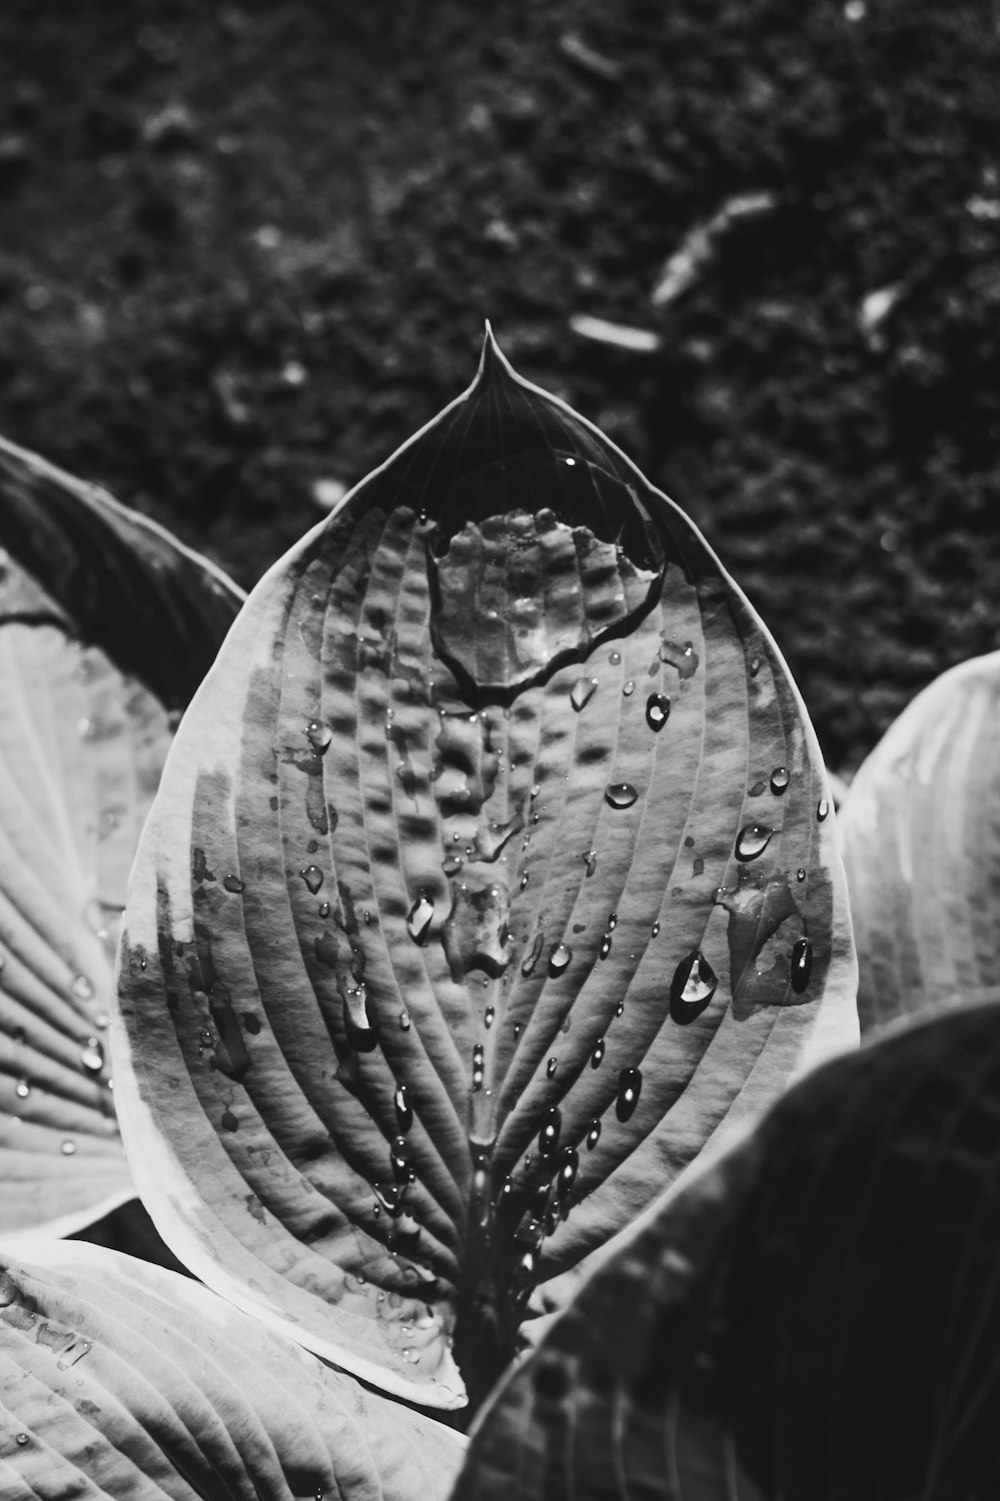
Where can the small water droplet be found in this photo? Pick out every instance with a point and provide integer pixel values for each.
(582, 692)
(692, 987)
(753, 840)
(22, 1439)
(822, 809)
(234, 884)
(628, 688)
(206, 1038)
(605, 948)
(754, 666)
(533, 955)
(801, 967)
(629, 1088)
(550, 1068)
(22, 1089)
(654, 931)
(597, 1056)
(593, 1134)
(489, 1018)
(82, 988)
(779, 780)
(615, 658)
(478, 1066)
(420, 917)
(589, 858)
(559, 956)
(569, 1165)
(620, 794)
(404, 1021)
(399, 1159)
(403, 1108)
(313, 877)
(800, 874)
(92, 1055)
(657, 711)
(67, 1147)
(324, 909)
(548, 1136)
(319, 735)
(360, 1019)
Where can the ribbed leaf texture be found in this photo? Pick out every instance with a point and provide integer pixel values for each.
(490, 876)
(122, 1381)
(920, 834)
(82, 745)
(816, 1318)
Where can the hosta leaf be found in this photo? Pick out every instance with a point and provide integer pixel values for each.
(121, 1380)
(920, 833)
(82, 744)
(814, 1318)
(490, 876)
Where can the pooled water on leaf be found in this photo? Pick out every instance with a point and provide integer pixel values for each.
(684, 658)
(629, 1088)
(620, 794)
(753, 840)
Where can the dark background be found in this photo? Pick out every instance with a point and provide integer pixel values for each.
(246, 248)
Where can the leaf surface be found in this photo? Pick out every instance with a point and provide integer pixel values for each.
(816, 1317)
(122, 1380)
(82, 745)
(920, 833)
(491, 875)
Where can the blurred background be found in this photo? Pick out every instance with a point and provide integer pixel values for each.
(245, 250)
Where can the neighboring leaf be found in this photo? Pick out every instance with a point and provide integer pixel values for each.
(81, 750)
(815, 1318)
(121, 1380)
(497, 826)
(920, 834)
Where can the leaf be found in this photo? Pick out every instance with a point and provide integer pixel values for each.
(121, 1380)
(82, 745)
(920, 833)
(494, 829)
(816, 1318)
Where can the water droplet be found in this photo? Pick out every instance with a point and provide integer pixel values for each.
(822, 809)
(593, 1134)
(548, 1136)
(524, 881)
(569, 1165)
(597, 1056)
(605, 948)
(403, 1108)
(67, 1147)
(533, 955)
(22, 1439)
(629, 1088)
(657, 711)
(404, 1021)
(654, 931)
(550, 1068)
(489, 1018)
(692, 987)
(22, 1089)
(319, 735)
(324, 909)
(399, 1159)
(360, 1019)
(754, 666)
(478, 1066)
(581, 693)
(82, 988)
(206, 1038)
(628, 688)
(620, 794)
(313, 877)
(92, 1055)
(802, 958)
(615, 658)
(559, 956)
(234, 884)
(800, 874)
(684, 658)
(419, 919)
(779, 780)
(612, 921)
(589, 858)
(753, 840)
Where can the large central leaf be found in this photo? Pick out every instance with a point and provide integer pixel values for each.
(490, 876)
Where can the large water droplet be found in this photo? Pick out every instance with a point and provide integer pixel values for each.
(779, 780)
(313, 877)
(319, 735)
(620, 794)
(404, 1110)
(801, 968)
(752, 840)
(92, 1055)
(692, 987)
(597, 1056)
(582, 692)
(657, 711)
(360, 1020)
(548, 1136)
(419, 918)
(533, 955)
(559, 957)
(593, 1134)
(629, 1088)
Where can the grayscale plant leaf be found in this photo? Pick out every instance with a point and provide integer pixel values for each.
(120, 1381)
(490, 877)
(82, 744)
(920, 834)
(816, 1317)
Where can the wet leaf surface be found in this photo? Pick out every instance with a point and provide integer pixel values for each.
(475, 805)
(120, 1380)
(920, 833)
(82, 745)
(813, 1318)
